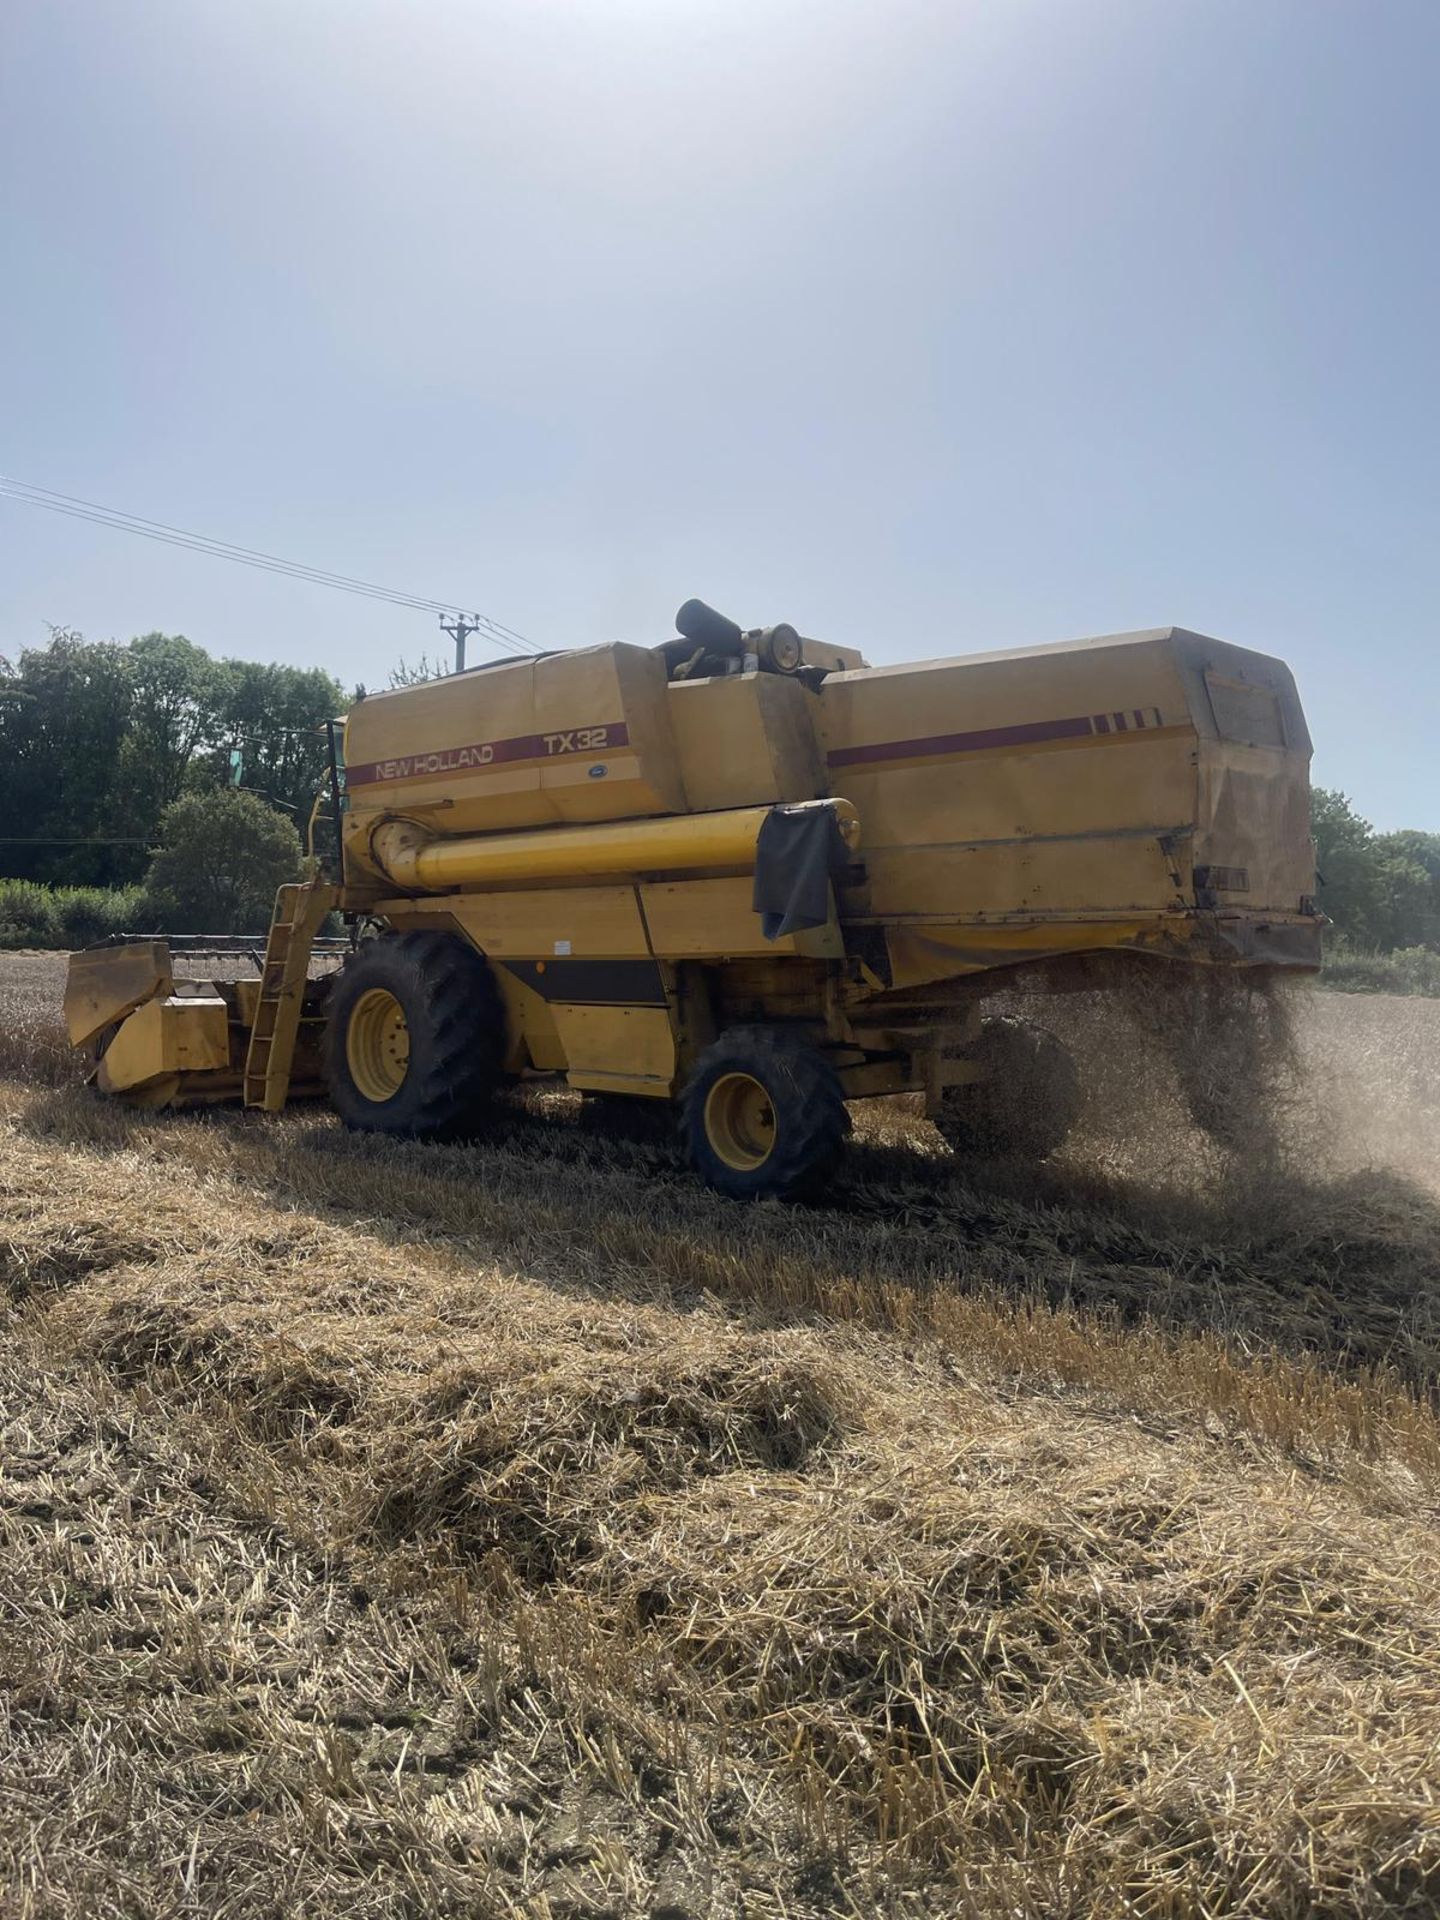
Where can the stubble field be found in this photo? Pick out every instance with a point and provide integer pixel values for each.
(390, 1529)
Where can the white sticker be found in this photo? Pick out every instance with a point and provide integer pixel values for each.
(562, 946)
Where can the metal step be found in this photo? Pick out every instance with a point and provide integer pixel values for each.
(299, 914)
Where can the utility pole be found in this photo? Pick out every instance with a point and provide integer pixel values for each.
(460, 630)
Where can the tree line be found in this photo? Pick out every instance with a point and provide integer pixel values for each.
(1381, 890)
(99, 738)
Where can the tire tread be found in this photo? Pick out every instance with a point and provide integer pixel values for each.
(1028, 1105)
(814, 1120)
(456, 1020)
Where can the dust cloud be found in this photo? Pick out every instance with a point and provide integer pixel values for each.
(1207, 1085)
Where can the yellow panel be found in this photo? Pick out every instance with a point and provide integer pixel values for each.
(746, 740)
(1090, 873)
(1094, 787)
(182, 1034)
(459, 752)
(990, 787)
(591, 923)
(620, 1046)
(1034, 687)
(823, 653)
(1254, 822)
(687, 920)
(702, 919)
(532, 1038)
(105, 984)
(578, 736)
(599, 801)
(919, 955)
(588, 705)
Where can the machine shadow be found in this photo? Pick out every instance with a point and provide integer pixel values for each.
(1344, 1271)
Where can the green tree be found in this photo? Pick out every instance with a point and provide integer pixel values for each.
(172, 709)
(64, 719)
(97, 740)
(1377, 888)
(221, 857)
(271, 719)
(1350, 889)
(1413, 859)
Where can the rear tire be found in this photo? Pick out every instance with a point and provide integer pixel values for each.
(414, 1037)
(1230, 1044)
(1027, 1104)
(763, 1115)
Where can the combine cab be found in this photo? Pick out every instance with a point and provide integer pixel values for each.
(749, 875)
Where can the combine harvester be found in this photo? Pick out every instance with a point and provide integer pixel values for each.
(746, 873)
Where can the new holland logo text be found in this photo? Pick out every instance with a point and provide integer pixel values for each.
(448, 762)
(489, 753)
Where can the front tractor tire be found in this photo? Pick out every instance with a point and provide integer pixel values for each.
(1027, 1102)
(763, 1115)
(414, 1037)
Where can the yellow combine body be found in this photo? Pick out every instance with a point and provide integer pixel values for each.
(746, 873)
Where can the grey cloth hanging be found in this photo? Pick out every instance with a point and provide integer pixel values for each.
(797, 851)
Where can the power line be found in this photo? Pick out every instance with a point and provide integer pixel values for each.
(495, 631)
(45, 497)
(500, 636)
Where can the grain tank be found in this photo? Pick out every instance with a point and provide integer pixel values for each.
(749, 875)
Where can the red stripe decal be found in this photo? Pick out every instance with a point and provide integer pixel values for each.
(491, 753)
(1021, 735)
(1024, 733)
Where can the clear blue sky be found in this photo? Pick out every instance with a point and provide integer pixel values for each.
(929, 328)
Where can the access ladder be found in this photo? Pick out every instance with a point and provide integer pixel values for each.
(299, 914)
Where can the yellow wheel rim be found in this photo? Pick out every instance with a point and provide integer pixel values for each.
(377, 1045)
(740, 1121)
